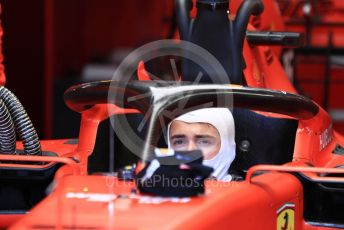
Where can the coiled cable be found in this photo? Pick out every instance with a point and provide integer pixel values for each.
(22, 123)
(7, 132)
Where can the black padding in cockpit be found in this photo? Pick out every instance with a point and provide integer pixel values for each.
(262, 140)
(211, 31)
(100, 160)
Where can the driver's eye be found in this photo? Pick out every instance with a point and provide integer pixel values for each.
(179, 143)
(202, 142)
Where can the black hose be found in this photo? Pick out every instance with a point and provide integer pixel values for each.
(22, 122)
(183, 8)
(7, 133)
(247, 8)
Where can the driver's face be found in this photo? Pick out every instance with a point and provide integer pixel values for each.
(191, 136)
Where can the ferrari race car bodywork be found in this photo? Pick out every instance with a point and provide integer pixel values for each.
(103, 201)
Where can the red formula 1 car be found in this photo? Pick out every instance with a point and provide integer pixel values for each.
(305, 193)
(287, 151)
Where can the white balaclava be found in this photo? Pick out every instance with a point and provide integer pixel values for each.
(222, 120)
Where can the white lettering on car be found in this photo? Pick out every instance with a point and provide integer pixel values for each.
(325, 137)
